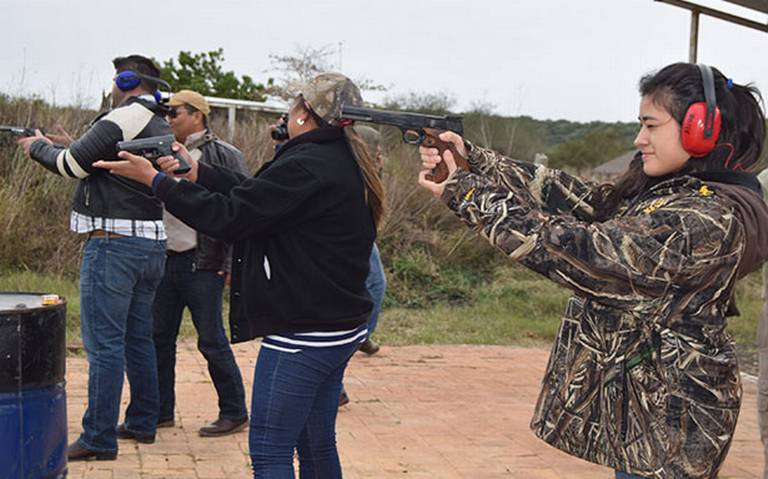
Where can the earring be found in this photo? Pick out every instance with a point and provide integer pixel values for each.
(300, 121)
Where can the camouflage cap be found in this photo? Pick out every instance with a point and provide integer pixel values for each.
(327, 92)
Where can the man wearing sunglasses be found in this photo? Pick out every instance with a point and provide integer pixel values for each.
(195, 271)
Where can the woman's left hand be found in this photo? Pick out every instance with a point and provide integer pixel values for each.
(132, 166)
(430, 157)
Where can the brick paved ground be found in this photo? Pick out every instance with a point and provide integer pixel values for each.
(416, 412)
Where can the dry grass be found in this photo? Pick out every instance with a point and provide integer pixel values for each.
(444, 285)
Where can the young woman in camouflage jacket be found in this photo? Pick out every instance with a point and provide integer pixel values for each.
(642, 377)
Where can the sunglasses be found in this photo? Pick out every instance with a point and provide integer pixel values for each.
(174, 112)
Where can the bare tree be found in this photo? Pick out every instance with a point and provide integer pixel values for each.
(297, 69)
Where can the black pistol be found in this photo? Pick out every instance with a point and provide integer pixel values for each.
(20, 130)
(153, 148)
(417, 129)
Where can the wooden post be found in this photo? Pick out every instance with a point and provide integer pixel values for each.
(694, 40)
(231, 112)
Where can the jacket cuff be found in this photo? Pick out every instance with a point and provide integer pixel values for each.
(161, 187)
(36, 147)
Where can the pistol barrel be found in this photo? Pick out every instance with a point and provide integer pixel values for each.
(404, 120)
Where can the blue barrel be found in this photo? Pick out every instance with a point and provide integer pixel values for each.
(33, 404)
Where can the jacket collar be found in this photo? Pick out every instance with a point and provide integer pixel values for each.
(730, 177)
(736, 178)
(200, 138)
(318, 135)
(149, 102)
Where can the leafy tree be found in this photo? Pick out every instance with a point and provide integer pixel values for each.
(203, 73)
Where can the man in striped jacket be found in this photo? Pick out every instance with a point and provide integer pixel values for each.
(122, 262)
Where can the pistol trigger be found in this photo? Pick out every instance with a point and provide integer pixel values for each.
(413, 137)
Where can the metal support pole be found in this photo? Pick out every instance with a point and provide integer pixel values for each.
(231, 112)
(694, 47)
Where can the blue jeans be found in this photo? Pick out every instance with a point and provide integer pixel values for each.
(118, 278)
(626, 475)
(294, 406)
(201, 292)
(376, 283)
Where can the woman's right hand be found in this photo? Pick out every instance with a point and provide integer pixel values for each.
(169, 164)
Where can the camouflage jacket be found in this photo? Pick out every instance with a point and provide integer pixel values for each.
(642, 377)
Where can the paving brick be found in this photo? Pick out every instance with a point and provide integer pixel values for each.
(448, 412)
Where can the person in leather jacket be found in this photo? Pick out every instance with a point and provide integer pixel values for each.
(196, 269)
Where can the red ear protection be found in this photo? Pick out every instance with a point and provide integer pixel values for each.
(701, 123)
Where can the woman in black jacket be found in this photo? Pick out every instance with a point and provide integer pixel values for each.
(302, 229)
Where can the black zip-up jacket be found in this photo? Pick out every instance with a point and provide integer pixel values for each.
(302, 235)
(99, 193)
(211, 253)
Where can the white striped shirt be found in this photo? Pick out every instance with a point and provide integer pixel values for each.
(295, 342)
(149, 229)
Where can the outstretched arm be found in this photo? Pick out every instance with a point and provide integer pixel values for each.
(257, 205)
(678, 242)
(554, 191)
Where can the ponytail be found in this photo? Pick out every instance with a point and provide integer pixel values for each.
(374, 189)
(747, 133)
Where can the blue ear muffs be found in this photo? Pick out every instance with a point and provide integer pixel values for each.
(127, 80)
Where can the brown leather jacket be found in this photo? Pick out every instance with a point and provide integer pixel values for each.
(211, 253)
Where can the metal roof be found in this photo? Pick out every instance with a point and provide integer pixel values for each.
(759, 5)
(271, 105)
(696, 9)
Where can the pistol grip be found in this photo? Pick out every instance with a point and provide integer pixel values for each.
(183, 165)
(440, 173)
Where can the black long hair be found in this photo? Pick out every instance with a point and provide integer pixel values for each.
(675, 87)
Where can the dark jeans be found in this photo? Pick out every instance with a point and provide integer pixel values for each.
(376, 283)
(201, 292)
(626, 475)
(118, 278)
(294, 406)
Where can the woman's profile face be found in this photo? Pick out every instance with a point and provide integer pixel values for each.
(659, 140)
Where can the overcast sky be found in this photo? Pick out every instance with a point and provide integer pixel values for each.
(578, 60)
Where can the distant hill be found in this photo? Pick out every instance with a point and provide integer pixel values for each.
(572, 145)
